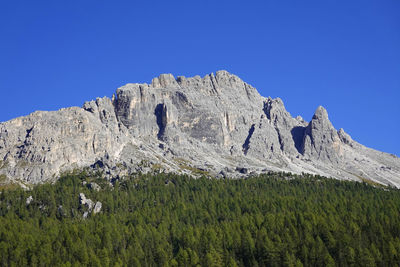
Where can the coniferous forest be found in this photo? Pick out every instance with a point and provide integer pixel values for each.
(169, 220)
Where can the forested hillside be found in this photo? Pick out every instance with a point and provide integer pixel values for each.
(170, 220)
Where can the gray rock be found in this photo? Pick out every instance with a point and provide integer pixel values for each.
(86, 202)
(94, 186)
(90, 205)
(321, 140)
(29, 200)
(217, 125)
(85, 214)
(97, 207)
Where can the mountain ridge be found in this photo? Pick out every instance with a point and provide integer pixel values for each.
(217, 125)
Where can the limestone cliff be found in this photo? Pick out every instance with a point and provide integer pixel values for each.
(216, 125)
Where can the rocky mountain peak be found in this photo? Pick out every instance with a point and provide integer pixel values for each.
(274, 108)
(321, 139)
(217, 125)
(321, 113)
(320, 119)
(164, 81)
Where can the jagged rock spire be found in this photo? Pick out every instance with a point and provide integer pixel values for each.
(321, 140)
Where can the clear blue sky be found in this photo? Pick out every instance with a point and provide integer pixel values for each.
(344, 55)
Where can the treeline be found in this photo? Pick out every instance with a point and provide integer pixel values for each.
(171, 220)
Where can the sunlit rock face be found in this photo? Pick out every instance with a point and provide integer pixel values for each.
(217, 125)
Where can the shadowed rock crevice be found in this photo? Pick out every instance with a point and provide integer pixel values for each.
(28, 132)
(214, 85)
(161, 117)
(267, 109)
(246, 144)
(298, 138)
(281, 145)
(98, 164)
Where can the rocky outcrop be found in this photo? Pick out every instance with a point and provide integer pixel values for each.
(94, 186)
(29, 200)
(97, 207)
(321, 140)
(89, 205)
(217, 125)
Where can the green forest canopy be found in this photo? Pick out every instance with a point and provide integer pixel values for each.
(172, 220)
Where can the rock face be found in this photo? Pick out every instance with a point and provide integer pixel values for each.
(217, 125)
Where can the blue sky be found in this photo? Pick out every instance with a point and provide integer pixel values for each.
(344, 55)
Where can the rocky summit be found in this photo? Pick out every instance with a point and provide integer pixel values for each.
(217, 126)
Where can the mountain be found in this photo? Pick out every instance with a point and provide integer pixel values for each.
(217, 125)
